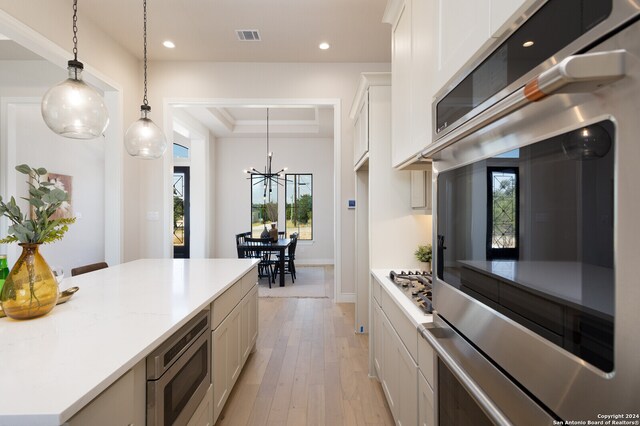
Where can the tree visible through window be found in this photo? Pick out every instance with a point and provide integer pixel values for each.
(502, 213)
(299, 205)
(264, 205)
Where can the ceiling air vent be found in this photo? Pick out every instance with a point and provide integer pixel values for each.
(248, 35)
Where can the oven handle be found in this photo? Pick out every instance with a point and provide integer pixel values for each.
(575, 74)
(488, 386)
(435, 335)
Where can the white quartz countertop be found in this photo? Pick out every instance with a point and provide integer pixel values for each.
(415, 314)
(54, 365)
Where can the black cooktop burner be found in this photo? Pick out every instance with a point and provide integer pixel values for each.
(416, 286)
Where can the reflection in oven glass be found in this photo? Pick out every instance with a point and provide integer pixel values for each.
(178, 392)
(529, 233)
(455, 405)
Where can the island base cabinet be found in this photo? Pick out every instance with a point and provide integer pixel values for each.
(249, 323)
(234, 338)
(226, 359)
(122, 403)
(204, 413)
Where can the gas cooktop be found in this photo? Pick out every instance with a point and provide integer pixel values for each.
(416, 286)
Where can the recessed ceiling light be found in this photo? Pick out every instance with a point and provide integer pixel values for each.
(324, 45)
(527, 43)
(168, 44)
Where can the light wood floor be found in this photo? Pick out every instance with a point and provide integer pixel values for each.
(309, 368)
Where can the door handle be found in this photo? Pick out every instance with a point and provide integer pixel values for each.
(574, 74)
(577, 74)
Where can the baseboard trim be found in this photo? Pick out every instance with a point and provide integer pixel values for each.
(346, 298)
(314, 262)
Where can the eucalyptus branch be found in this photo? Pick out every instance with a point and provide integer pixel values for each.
(44, 200)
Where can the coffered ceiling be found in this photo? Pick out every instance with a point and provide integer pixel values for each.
(298, 122)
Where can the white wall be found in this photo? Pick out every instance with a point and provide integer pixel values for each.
(191, 81)
(38, 146)
(395, 229)
(233, 190)
(105, 58)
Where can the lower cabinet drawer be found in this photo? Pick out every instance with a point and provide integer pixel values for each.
(402, 325)
(426, 361)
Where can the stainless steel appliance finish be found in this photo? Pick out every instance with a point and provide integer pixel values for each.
(622, 12)
(562, 382)
(179, 373)
(416, 286)
(498, 397)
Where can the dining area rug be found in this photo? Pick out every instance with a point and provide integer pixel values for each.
(311, 282)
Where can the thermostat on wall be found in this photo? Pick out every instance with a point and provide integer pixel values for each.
(351, 204)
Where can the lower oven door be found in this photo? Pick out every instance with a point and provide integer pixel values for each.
(471, 390)
(175, 396)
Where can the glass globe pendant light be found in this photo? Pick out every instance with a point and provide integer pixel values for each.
(143, 138)
(72, 108)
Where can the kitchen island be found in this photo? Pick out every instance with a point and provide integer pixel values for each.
(55, 365)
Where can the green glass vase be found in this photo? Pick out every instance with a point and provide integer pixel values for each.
(31, 289)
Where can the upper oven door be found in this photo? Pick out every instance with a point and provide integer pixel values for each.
(536, 220)
(549, 32)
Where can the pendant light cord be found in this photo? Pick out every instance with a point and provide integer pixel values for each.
(268, 139)
(75, 30)
(144, 99)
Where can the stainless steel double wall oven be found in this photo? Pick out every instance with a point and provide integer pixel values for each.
(537, 201)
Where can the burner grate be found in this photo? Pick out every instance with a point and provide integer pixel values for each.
(417, 286)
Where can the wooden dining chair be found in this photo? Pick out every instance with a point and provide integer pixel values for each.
(88, 268)
(289, 258)
(239, 240)
(265, 267)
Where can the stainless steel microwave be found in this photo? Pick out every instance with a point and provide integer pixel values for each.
(536, 203)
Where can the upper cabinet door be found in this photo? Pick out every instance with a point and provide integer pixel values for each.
(501, 12)
(401, 86)
(423, 71)
(361, 132)
(463, 27)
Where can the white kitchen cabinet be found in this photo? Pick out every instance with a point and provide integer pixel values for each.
(407, 386)
(463, 28)
(249, 332)
(401, 85)
(361, 131)
(226, 359)
(421, 190)
(377, 340)
(423, 70)
(426, 383)
(234, 337)
(204, 413)
(400, 377)
(414, 44)
(121, 403)
(503, 12)
(389, 365)
(373, 99)
(426, 413)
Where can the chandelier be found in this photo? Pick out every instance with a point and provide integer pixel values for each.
(268, 178)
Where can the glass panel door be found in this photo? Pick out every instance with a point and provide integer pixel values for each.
(181, 212)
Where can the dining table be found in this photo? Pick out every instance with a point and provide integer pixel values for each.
(274, 246)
